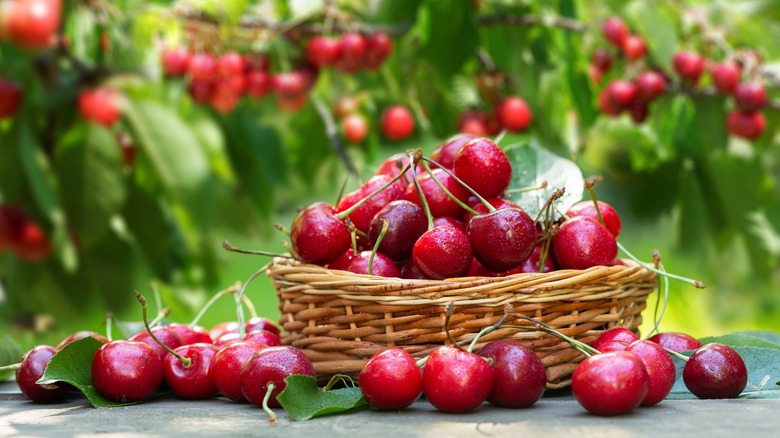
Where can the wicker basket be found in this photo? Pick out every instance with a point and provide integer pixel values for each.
(340, 319)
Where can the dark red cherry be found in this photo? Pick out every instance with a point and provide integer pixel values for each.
(502, 239)
(725, 76)
(601, 59)
(164, 334)
(32, 367)
(192, 382)
(263, 337)
(749, 126)
(715, 371)
(227, 365)
(621, 93)
(661, 372)
(397, 122)
(583, 242)
(378, 48)
(363, 215)
(258, 84)
(191, 335)
(391, 380)
(81, 335)
(439, 202)
(455, 380)
(649, 85)
(676, 341)
(519, 378)
(615, 30)
(610, 383)
(318, 236)
(615, 339)
(406, 223)
(444, 153)
(608, 213)
(272, 365)
(353, 48)
(533, 264)
(126, 371)
(382, 265)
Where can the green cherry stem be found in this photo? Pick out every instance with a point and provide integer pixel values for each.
(11, 367)
(268, 410)
(501, 136)
(541, 186)
(344, 214)
(680, 356)
(583, 348)
(240, 320)
(462, 204)
(657, 317)
(415, 157)
(229, 247)
(385, 226)
(185, 361)
(109, 326)
(164, 312)
(695, 283)
(590, 184)
(231, 290)
(452, 175)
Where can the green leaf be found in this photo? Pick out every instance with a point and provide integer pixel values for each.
(302, 399)
(10, 353)
(742, 339)
(146, 221)
(657, 26)
(73, 365)
(532, 164)
(449, 42)
(394, 11)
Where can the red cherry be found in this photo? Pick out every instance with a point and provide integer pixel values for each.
(725, 76)
(263, 337)
(406, 223)
(202, 67)
(607, 106)
(583, 242)
(12, 218)
(32, 24)
(200, 90)
(81, 335)
(439, 202)
(353, 48)
(391, 380)
(382, 266)
(634, 47)
(474, 127)
(533, 264)
(258, 84)
(715, 371)
(31, 369)
(259, 323)
(318, 236)
(100, 105)
(608, 213)
(363, 215)
(272, 365)
(164, 334)
(615, 30)
(32, 245)
(323, 51)
(484, 167)
(397, 122)
(675, 341)
(750, 96)
(191, 335)
(10, 98)
(355, 128)
(444, 154)
(519, 379)
(230, 64)
(192, 382)
(223, 328)
(176, 62)
(126, 372)
(689, 65)
(621, 93)
(502, 239)
(601, 59)
(615, 339)
(226, 367)
(393, 165)
(649, 85)
(749, 126)
(224, 97)
(443, 252)
(638, 112)
(514, 114)
(378, 48)
(455, 380)
(610, 383)
(661, 372)
(290, 90)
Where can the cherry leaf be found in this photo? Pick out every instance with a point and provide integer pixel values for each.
(302, 399)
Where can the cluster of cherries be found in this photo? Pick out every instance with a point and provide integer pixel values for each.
(350, 52)
(746, 120)
(22, 235)
(513, 114)
(396, 123)
(449, 221)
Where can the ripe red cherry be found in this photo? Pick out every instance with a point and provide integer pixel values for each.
(502, 239)
(455, 380)
(382, 266)
(353, 48)
(476, 126)
(32, 367)
(443, 252)
(11, 220)
(689, 66)
(258, 84)
(264, 337)
(615, 339)
(202, 67)
(323, 51)
(355, 128)
(190, 335)
(393, 165)
(444, 153)
(223, 328)
(175, 62)
(725, 76)
(438, 201)
(200, 90)
(31, 244)
(675, 341)
(661, 372)
(519, 379)
(750, 96)
(32, 24)
(81, 335)
(621, 93)
(649, 85)
(318, 236)
(363, 215)
(715, 371)
(610, 383)
(223, 98)
(601, 59)
(608, 213)
(10, 98)
(397, 122)
(230, 64)
(615, 30)
(126, 371)
(378, 48)
(391, 380)
(638, 112)
(607, 106)
(583, 242)
(749, 126)
(406, 223)
(272, 365)
(192, 382)
(100, 105)
(533, 264)
(634, 47)
(164, 334)
(261, 323)
(290, 90)
(484, 167)
(226, 367)
(514, 114)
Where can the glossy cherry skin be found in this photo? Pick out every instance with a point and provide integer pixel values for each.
(261, 323)
(318, 236)
(750, 96)
(323, 51)
(649, 85)
(675, 341)
(222, 328)
(484, 167)
(81, 334)
(272, 365)
(190, 335)
(634, 47)
(601, 59)
(166, 335)
(202, 67)
(406, 222)
(100, 105)
(397, 122)
(382, 266)
(176, 62)
(615, 30)
(514, 114)
(455, 380)
(290, 90)
(502, 239)
(363, 215)
(582, 242)
(606, 105)
(393, 166)
(379, 47)
(355, 128)
(608, 214)
(391, 380)
(126, 371)
(193, 382)
(226, 367)
(258, 84)
(264, 337)
(444, 154)
(610, 383)
(661, 372)
(32, 24)
(725, 76)
(749, 126)
(519, 379)
(689, 65)
(353, 47)
(621, 93)
(439, 202)
(715, 371)
(442, 252)
(10, 98)
(33, 365)
(31, 244)
(614, 339)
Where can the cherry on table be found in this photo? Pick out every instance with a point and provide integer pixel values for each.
(715, 371)
(676, 341)
(661, 372)
(614, 339)
(193, 381)
(32, 367)
(261, 323)
(519, 378)
(165, 334)
(272, 365)
(126, 371)
(455, 380)
(226, 367)
(81, 334)
(611, 383)
(391, 380)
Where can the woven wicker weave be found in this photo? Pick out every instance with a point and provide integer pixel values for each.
(340, 319)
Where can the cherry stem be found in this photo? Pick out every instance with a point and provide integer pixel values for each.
(462, 204)
(343, 215)
(249, 306)
(185, 361)
(556, 195)
(11, 367)
(339, 378)
(659, 316)
(266, 398)
(541, 186)
(385, 226)
(415, 156)
(240, 320)
(582, 347)
(448, 310)
(507, 311)
(157, 303)
(695, 283)
(680, 356)
(229, 247)
(109, 323)
(500, 136)
(590, 183)
(283, 229)
(484, 202)
(231, 290)
(165, 311)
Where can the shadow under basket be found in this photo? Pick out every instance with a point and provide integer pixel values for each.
(340, 319)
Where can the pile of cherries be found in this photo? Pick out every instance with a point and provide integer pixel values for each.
(458, 223)
(350, 52)
(20, 234)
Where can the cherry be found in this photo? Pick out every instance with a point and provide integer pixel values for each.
(689, 65)
(164, 334)
(10, 98)
(533, 264)
(391, 380)
(226, 367)
(502, 239)
(342, 262)
(397, 122)
(271, 366)
(477, 269)
(406, 223)
(32, 24)
(634, 47)
(318, 236)
(290, 90)
(715, 371)
(383, 265)
(258, 84)
(222, 328)
(661, 372)
(610, 383)
(190, 335)
(649, 85)
(615, 30)
(601, 59)
(675, 341)
(621, 93)
(484, 167)
(412, 272)
(200, 90)
(259, 323)
(193, 381)
(227, 338)
(176, 62)
(583, 242)
(100, 105)
(323, 51)
(353, 48)
(202, 67)
(514, 114)
(746, 125)
(608, 213)
(32, 367)
(32, 245)
(126, 371)
(378, 48)
(223, 98)
(638, 112)
(594, 74)
(264, 337)
(355, 128)
(12, 218)
(444, 154)
(472, 123)
(449, 220)
(519, 379)
(725, 76)
(257, 62)
(750, 96)
(607, 106)
(393, 165)
(363, 215)
(614, 339)
(442, 252)
(455, 380)
(230, 64)
(439, 202)
(81, 335)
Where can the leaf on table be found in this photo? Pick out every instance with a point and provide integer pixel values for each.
(302, 399)
(10, 353)
(742, 339)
